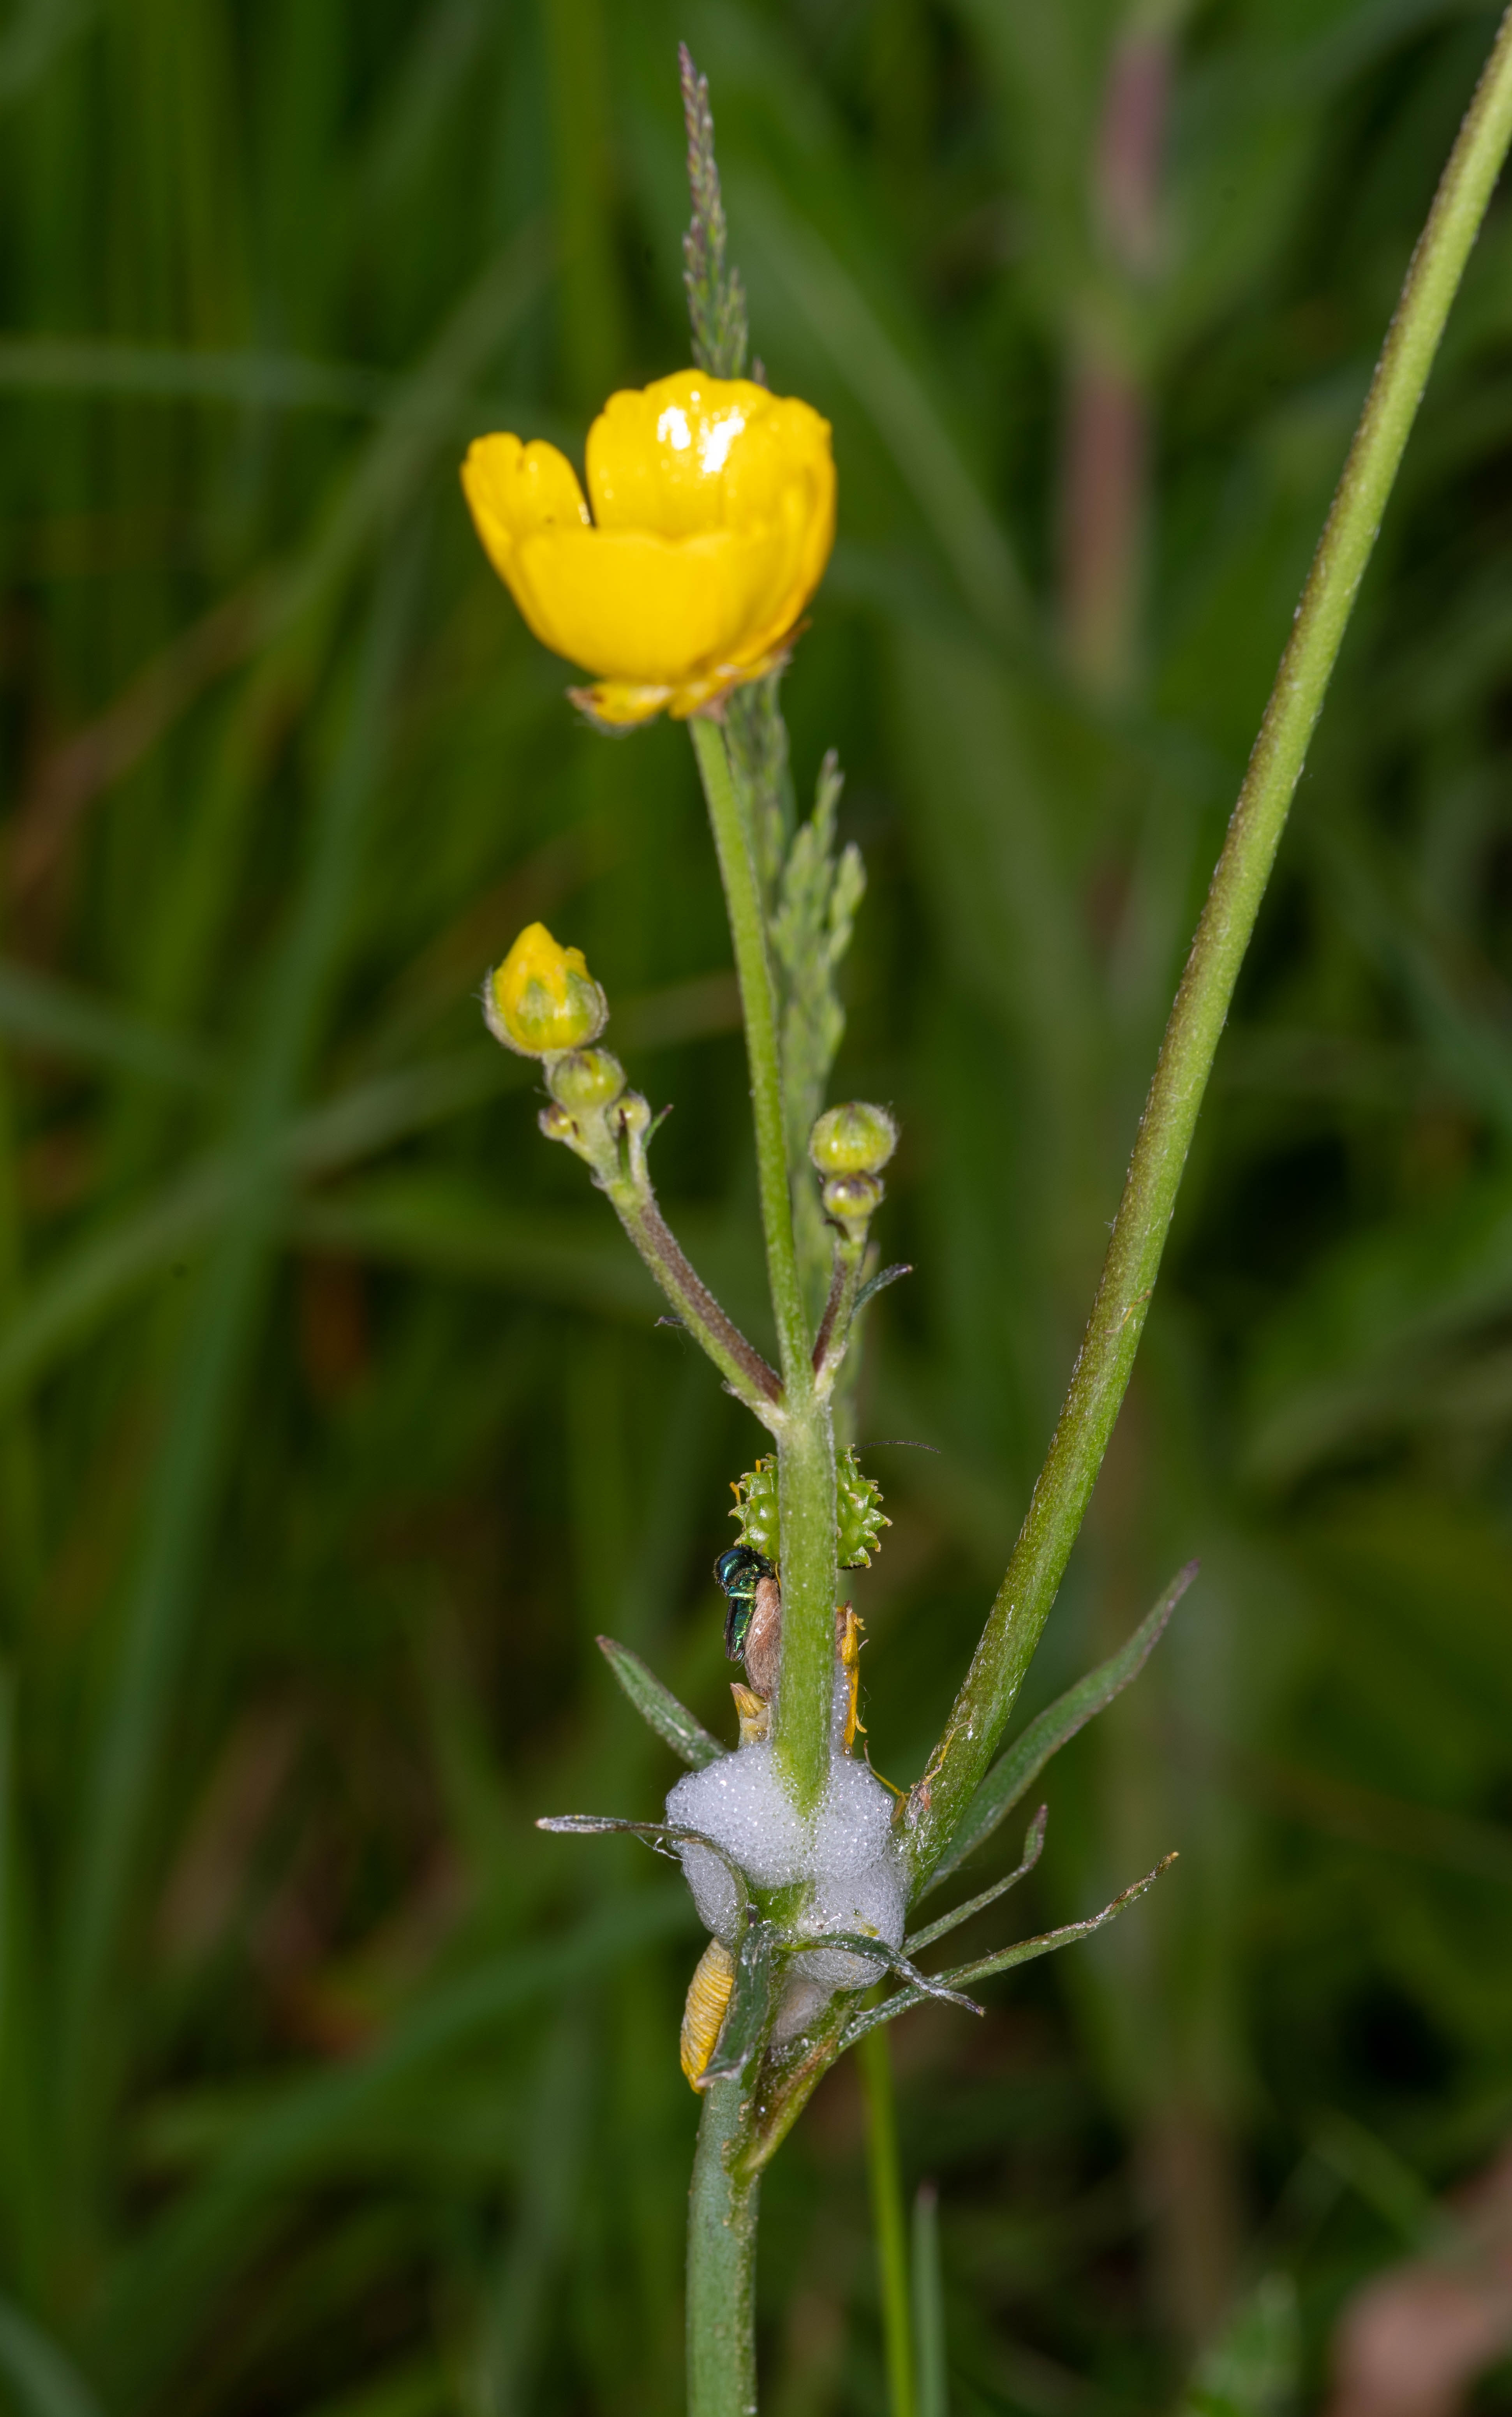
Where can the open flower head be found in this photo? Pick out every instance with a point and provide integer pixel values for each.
(543, 998)
(713, 517)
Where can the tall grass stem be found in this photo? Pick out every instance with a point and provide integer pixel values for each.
(889, 2225)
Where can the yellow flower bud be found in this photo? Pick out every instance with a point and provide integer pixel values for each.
(713, 517)
(856, 1139)
(543, 998)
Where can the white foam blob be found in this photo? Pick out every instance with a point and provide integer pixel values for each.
(846, 1854)
(740, 1803)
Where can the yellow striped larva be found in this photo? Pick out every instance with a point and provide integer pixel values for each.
(708, 1994)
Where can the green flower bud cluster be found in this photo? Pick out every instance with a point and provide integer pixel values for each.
(591, 1109)
(859, 1519)
(850, 1145)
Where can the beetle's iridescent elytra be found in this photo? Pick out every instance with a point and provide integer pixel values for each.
(739, 1571)
(754, 1622)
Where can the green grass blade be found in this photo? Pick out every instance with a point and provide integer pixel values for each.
(929, 2305)
(185, 1489)
(43, 2383)
(894, 395)
(52, 1017)
(161, 2292)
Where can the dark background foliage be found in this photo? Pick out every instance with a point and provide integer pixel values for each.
(335, 1421)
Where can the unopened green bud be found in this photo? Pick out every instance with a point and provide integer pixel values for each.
(543, 998)
(556, 1124)
(585, 1078)
(633, 1115)
(851, 1199)
(856, 1139)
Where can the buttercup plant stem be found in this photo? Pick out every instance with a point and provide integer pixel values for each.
(748, 932)
(1196, 1018)
(721, 2263)
(805, 1429)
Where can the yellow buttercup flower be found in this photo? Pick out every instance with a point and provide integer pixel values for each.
(713, 517)
(543, 999)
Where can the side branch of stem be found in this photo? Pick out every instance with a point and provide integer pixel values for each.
(737, 1359)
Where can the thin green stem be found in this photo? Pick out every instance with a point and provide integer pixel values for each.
(806, 1438)
(873, 2059)
(801, 1715)
(833, 1339)
(721, 2265)
(748, 930)
(738, 1361)
(1191, 1038)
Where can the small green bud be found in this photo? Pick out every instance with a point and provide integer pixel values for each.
(633, 1115)
(851, 1199)
(557, 1125)
(856, 1139)
(585, 1078)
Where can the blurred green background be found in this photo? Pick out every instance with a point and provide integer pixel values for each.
(334, 1423)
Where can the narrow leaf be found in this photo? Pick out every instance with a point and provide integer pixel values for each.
(750, 2007)
(1015, 1773)
(879, 1283)
(855, 1942)
(659, 1706)
(1027, 1949)
(665, 1837)
(1033, 1841)
(1024, 1950)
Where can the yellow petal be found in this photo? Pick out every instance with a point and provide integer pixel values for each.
(632, 605)
(514, 489)
(715, 504)
(658, 459)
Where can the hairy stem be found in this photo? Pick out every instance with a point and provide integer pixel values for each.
(873, 2059)
(721, 2265)
(748, 930)
(1191, 1038)
(806, 1517)
(738, 1361)
(806, 1438)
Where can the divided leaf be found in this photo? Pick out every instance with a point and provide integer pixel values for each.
(811, 932)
